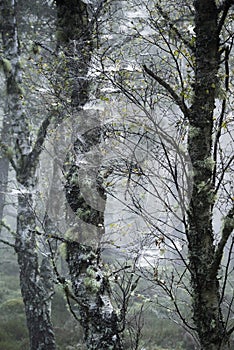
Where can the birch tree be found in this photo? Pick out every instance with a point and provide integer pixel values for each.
(23, 157)
(205, 256)
(76, 24)
(185, 55)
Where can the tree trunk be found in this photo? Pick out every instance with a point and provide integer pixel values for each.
(4, 167)
(91, 288)
(34, 287)
(90, 285)
(33, 282)
(84, 191)
(4, 164)
(207, 313)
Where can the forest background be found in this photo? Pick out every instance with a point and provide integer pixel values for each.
(116, 166)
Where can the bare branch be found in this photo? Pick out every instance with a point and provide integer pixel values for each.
(225, 279)
(46, 48)
(225, 8)
(35, 153)
(175, 28)
(222, 114)
(51, 236)
(224, 170)
(3, 224)
(226, 232)
(7, 154)
(7, 243)
(230, 331)
(171, 91)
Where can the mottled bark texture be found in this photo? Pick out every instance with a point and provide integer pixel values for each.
(74, 37)
(35, 282)
(4, 164)
(90, 212)
(205, 254)
(91, 288)
(207, 312)
(83, 188)
(24, 159)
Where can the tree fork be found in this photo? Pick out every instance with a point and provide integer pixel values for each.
(35, 295)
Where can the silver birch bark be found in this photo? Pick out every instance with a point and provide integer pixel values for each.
(4, 165)
(90, 286)
(35, 293)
